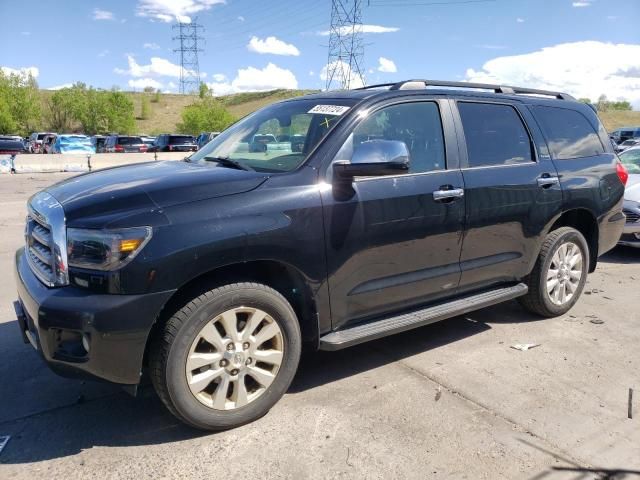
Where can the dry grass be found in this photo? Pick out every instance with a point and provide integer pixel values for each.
(613, 120)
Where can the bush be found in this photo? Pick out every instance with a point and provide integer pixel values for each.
(156, 97)
(206, 116)
(145, 108)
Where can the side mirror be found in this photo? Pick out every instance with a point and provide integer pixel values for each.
(375, 158)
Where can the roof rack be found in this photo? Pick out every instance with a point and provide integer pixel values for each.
(509, 90)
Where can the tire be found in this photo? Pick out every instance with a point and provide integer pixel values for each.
(545, 297)
(178, 351)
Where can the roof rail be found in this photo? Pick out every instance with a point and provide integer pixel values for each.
(509, 90)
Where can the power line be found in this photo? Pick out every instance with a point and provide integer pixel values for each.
(409, 3)
(190, 43)
(346, 48)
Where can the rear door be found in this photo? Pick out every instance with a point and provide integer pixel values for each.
(391, 243)
(512, 191)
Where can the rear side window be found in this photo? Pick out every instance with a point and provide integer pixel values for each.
(495, 134)
(178, 139)
(568, 133)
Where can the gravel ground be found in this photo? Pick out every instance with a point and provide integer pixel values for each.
(450, 400)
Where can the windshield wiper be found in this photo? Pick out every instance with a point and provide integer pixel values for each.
(227, 162)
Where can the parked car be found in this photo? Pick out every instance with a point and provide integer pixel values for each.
(98, 142)
(632, 142)
(47, 143)
(148, 141)
(174, 143)
(11, 145)
(625, 133)
(35, 141)
(406, 206)
(124, 144)
(631, 233)
(205, 137)
(73, 144)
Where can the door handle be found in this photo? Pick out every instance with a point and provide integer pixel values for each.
(439, 195)
(548, 181)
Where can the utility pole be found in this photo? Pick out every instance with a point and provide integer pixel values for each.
(346, 48)
(189, 45)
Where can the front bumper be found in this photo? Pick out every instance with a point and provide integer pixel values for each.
(630, 235)
(114, 327)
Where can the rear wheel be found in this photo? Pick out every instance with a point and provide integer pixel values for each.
(227, 357)
(559, 275)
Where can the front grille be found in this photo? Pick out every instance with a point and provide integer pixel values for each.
(632, 217)
(45, 237)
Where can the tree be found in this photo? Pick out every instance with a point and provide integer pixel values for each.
(207, 115)
(156, 97)
(204, 90)
(145, 108)
(585, 100)
(19, 103)
(148, 90)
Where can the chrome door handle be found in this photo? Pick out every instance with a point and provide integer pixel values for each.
(548, 181)
(445, 194)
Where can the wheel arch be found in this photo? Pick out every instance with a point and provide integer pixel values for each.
(282, 277)
(586, 223)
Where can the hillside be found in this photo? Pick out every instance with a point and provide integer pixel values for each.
(165, 114)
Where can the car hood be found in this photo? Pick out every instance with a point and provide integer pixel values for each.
(632, 189)
(146, 187)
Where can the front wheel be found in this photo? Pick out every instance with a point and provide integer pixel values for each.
(227, 357)
(559, 275)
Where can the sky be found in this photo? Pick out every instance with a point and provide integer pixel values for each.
(583, 47)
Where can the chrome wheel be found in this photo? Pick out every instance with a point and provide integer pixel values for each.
(564, 274)
(234, 358)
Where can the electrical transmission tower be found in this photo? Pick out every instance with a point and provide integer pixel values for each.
(346, 48)
(189, 41)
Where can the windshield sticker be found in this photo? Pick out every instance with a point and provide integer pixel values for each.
(329, 109)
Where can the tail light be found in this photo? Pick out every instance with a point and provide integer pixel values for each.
(623, 175)
(119, 148)
(143, 148)
(170, 147)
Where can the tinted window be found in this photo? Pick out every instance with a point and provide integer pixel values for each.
(417, 124)
(569, 133)
(129, 140)
(179, 139)
(495, 134)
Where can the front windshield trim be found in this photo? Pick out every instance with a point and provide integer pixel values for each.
(284, 156)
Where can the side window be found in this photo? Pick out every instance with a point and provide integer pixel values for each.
(416, 124)
(568, 132)
(495, 134)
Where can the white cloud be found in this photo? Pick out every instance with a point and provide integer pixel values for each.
(99, 14)
(26, 34)
(241, 18)
(23, 72)
(252, 79)
(141, 83)
(151, 46)
(342, 70)
(158, 67)
(60, 87)
(362, 29)
(272, 45)
(219, 77)
(582, 69)
(520, 20)
(583, 3)
(171, 85)
(103, 53)
(170, 10)
(386, 65)
(489, 46)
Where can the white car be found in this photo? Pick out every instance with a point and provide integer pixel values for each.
(631, 233)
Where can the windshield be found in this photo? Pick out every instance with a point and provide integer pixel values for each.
(277, 138)
(631, 160)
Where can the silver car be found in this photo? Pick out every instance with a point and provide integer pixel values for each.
(631, 233)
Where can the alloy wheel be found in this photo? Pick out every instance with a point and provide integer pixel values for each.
(564, 274)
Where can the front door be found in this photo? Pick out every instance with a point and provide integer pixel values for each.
(392, 244)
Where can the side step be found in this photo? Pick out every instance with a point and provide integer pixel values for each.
(364, 332)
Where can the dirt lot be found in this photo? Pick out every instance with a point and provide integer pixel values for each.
(451, 400)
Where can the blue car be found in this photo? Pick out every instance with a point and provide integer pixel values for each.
(80, 144)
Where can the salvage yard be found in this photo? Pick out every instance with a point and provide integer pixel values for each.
(451, 400)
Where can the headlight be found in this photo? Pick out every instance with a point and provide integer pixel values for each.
(105, 249)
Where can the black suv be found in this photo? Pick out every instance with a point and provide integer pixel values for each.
(124, 144)
(405, 204)
(174, 143)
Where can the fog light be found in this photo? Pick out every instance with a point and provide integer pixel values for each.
(85, 342)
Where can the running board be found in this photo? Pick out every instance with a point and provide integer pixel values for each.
(364, 332)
